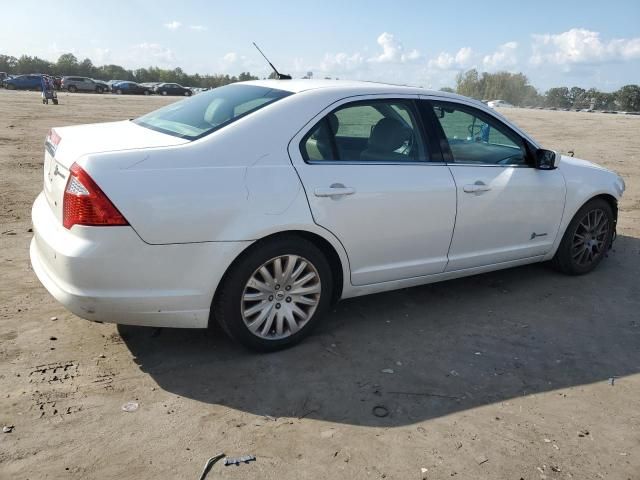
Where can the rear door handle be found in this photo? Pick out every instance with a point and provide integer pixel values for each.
(334, 191)
(477, 187)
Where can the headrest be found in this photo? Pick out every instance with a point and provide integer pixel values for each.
(388, 135)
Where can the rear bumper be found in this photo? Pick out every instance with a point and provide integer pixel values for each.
(109, 274)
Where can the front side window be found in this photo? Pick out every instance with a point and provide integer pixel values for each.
(369, 131)
(202, 114)
(477, 138)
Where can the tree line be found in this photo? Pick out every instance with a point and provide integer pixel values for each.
(68, 64)
(516, 89)
(511, 87)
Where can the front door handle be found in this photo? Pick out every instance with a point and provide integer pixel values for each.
(477, 187)
(334, 191)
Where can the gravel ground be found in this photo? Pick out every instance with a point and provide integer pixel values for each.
(506, 375)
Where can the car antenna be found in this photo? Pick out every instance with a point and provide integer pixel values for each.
(279, 76)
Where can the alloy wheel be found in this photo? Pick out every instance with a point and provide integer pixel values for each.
(590, 238)
(281, 297)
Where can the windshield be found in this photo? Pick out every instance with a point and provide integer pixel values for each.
(206, 112)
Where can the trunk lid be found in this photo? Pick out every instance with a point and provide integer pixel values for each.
(64, 145)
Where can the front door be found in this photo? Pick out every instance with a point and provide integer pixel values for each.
(371, 181)
(507, 210)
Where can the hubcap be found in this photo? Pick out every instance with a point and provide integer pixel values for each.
(589, 241)
(280, 297)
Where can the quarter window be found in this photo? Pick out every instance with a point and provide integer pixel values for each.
(478, 138)
(369, 131)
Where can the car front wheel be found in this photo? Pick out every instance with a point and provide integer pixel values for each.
(274, 294)
(587, 239)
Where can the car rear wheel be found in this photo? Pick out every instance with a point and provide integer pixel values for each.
(274, 294)
(73, 89)
(187, 94)
(10, 86)
(587, 239)
(146, 92)
(164, 92)
(119, 91)
(99, 89)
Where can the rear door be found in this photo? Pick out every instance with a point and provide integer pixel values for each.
(507, 210)
(372, 180)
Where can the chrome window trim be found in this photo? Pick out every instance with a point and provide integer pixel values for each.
(371, 162)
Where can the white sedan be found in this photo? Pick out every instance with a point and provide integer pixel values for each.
(258, 204)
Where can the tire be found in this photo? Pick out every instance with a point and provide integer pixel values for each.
(10, 86)
(119, 92)
(73, 88)
(164, 92)
(55, 101)
(146, 92)
(187, 94)
(233, 310)
(581, 248)
(99, 90)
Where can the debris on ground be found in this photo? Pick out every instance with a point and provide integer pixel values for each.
(380, 411)
(423, 472)
(210, 463)
(612, 381)
(53, 319)
(481, 459)
(583, 433)
(130, 406)
(239, 460)
(387, 370)
(8, 429)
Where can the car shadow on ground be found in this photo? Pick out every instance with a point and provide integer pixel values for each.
(451, 346)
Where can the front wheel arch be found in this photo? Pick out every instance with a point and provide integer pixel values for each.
(559, 259)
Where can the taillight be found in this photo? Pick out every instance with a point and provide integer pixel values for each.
(85, 204)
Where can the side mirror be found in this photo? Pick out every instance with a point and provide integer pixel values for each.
(546, 159)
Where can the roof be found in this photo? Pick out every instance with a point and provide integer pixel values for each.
(300, 85)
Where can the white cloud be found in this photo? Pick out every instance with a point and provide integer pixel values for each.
(198, 28)
(580, 45)
(393, 51)
(174, 25)
(143, 52)
(447, 61)
(504, 57)
(232, 62)
(340, 63)
(101, 56)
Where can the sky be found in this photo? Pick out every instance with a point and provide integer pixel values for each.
(555, 43)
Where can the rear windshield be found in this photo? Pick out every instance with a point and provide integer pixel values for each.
(206, 112)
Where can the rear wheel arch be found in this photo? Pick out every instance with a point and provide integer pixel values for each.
(328, 250)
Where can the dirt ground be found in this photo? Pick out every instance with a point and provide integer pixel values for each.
(500, 376)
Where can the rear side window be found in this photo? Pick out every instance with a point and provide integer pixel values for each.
(203, 114)
(369, 131)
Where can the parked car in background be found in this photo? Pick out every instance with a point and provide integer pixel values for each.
(101, 83)
(172, 89)
(259, 204)
(499, 104)
(81, 84)
(3, 75)
(130, 88)
(111, 83)
(24, 82)
(150, 85)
